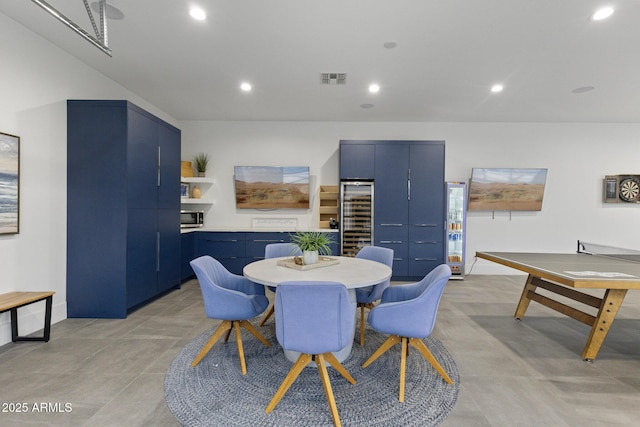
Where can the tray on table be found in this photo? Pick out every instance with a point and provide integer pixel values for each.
(323, 261)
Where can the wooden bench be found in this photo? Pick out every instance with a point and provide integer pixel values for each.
(14, 300)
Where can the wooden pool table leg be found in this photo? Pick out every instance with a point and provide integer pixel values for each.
(611, 302)
(524, 299)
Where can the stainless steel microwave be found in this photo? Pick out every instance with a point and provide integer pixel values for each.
(191, 219)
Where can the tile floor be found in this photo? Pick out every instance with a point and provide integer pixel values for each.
(98, 372)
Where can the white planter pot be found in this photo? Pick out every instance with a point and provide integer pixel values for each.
(310, 257)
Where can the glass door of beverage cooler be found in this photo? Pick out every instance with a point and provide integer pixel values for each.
(456, 222)
(356, 216)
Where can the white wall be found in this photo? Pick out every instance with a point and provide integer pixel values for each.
(578, 157)
(36, 79)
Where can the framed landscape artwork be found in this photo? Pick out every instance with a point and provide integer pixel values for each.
(506, 189)
(272, 187)
(9, 183)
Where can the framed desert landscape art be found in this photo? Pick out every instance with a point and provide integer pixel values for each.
(506, 189)
(272, 187)
(9, 183)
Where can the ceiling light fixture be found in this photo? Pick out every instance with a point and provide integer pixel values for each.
(366, 106)
(197, 14)
(497, 88)
(246, 87)
(374, 88)
(601, 14)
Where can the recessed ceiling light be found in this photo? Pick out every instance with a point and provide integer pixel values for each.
(601, 14)
(390, 45)
(246, 87)
(367, 106)
(198, 14)
(374, 88)
(497, 88)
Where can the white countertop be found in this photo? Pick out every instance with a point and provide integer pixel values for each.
(253, 230)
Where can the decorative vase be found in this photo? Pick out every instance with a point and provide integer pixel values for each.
(196, 193)
(309, 257)
(201, 174)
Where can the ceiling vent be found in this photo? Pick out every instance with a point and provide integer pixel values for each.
(333, 78)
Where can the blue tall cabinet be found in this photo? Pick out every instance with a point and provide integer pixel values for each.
(409, 207)
(123, 207)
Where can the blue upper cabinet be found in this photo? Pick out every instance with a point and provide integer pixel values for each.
(123, 207)
(357, 160)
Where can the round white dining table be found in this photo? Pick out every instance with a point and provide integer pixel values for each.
(351, 272)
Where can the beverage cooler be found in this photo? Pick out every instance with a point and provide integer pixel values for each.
(456, 198)
(356, 216)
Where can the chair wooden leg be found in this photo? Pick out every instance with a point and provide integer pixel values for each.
(362, 325)
(324, 376)
(390, 342)
(338, 367)
(301, 363)
(267, 316)
(424, 350)
(224, 327)
(403, 368)
(226, 338)
(243, 365)
(249, 327)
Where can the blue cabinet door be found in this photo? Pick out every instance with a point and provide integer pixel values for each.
(169, 189)
(168, 249)
(227, 247)
(142, 161)
(142, 255)
(357, 160)
(257, 241)
(391, 202)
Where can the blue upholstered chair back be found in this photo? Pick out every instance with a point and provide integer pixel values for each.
(227, 296)
(383, 256)
(277, 250)
(410, 310)
(314, 317)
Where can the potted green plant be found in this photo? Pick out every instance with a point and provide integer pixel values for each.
(312, 244)
(201, 161)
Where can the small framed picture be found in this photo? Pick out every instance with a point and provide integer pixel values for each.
(184, 190)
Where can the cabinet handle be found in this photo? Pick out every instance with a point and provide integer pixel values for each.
(409, 185)
(157, 251)
(159, 155)
(391, 241)
(424, 259)
(425, 225)
(391, 225)
(269, 241)
(421, 242)
(223, 241)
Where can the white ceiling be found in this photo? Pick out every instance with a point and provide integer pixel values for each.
(448, 55)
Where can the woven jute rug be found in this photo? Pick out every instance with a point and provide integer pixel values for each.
(215, 393)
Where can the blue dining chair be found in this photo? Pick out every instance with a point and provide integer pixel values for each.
(314, 330)
(231, 298)
(277, 250)
(367, 296)
(408, 314)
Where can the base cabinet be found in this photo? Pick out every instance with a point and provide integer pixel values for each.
(236, 249)
(123, 208)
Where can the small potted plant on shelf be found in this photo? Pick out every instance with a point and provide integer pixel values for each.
(312, 244)
(201, 161)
